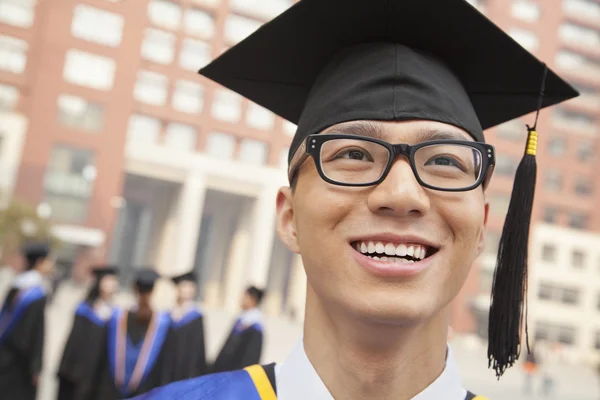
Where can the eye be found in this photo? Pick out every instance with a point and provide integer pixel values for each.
(445, 161)
(354, 154)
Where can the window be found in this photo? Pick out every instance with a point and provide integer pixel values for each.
(574, 119)
(253, 152)
(13, 54)
(505, 165)
(259, 117)
(578, 34)
(151, 88)
(96, 25)
(17, 12)
(68, 183)
(578, 63)
(570, 296)
(553, 181)
(549, 253)
(525, 10)
(78, 113)
(180, 137)
(143, 129)
(550, 215)
(513, 130)
(237, 28)
(556, 293)
(545, 292)
(199, 23)
(220, 145)
(585, 8)
(194, 54)
(87, 69)
(227, 106)
(577, 220)
(525, 38)
(164, 13)
(566, 335)
(158, 46)
(583, 187)
(9, 97)
(499, 204)
(289, 128)
(585, 152)
(578, 259)
(283, 158)
(188, 97)
(555, 333)
(557, 146)
(597, 341)
(261, 8)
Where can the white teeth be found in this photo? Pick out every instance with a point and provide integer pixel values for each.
(371, 247)
(401, 250)
(390, 249)
(375, 258)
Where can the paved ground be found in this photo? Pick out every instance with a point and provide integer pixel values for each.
(574, 383)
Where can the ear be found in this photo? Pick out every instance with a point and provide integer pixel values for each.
(286, 229)
(481, 240)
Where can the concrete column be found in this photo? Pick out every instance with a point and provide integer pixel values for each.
(189, 217)
(263, 227)
(235, 276)
(297, 291)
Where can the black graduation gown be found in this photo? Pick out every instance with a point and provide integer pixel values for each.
(82, 355)
(134, 361)
(21, 343)
(242, 348)
(186, 348)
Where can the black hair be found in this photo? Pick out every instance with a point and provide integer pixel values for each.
(256, 293)
(94, 293)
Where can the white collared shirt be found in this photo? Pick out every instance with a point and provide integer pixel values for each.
(296, 379)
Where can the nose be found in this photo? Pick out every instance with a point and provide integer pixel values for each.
(400, 194)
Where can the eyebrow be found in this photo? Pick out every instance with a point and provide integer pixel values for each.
(376, 130)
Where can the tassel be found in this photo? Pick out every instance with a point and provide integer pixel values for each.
(509, 288)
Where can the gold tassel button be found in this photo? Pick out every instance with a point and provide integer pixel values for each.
(532, 141)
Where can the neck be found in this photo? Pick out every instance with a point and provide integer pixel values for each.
(359, 359)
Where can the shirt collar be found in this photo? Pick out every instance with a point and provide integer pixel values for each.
(297, 380)
(28, 279)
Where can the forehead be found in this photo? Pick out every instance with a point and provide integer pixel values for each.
(401, 131)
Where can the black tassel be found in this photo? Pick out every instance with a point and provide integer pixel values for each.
(509, 289)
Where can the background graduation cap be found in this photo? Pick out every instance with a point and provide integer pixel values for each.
(145, 279)
(188, 276)
(324, 62)
(35, 251)
(101, 271)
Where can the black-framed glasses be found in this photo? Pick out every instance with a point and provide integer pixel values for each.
(352, 160)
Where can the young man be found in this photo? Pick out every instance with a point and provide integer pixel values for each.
(22, 326)
(85, 347)
(186, 350)
(243, 346)
(386, 201)
(134, 360)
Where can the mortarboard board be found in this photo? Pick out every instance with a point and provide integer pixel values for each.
(146, 278)
(35, 251)
(103, 270)
(324, 62)
(189, 276)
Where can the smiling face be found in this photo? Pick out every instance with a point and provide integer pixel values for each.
(392, 253)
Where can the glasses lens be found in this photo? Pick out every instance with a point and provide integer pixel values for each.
(448, 166)
(353, 161)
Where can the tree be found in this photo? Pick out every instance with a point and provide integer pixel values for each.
(19, 222)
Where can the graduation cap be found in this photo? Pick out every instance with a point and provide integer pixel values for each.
(189, 277)
(324, 62)
(101, 271)
(145, 279)
(35, 251)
